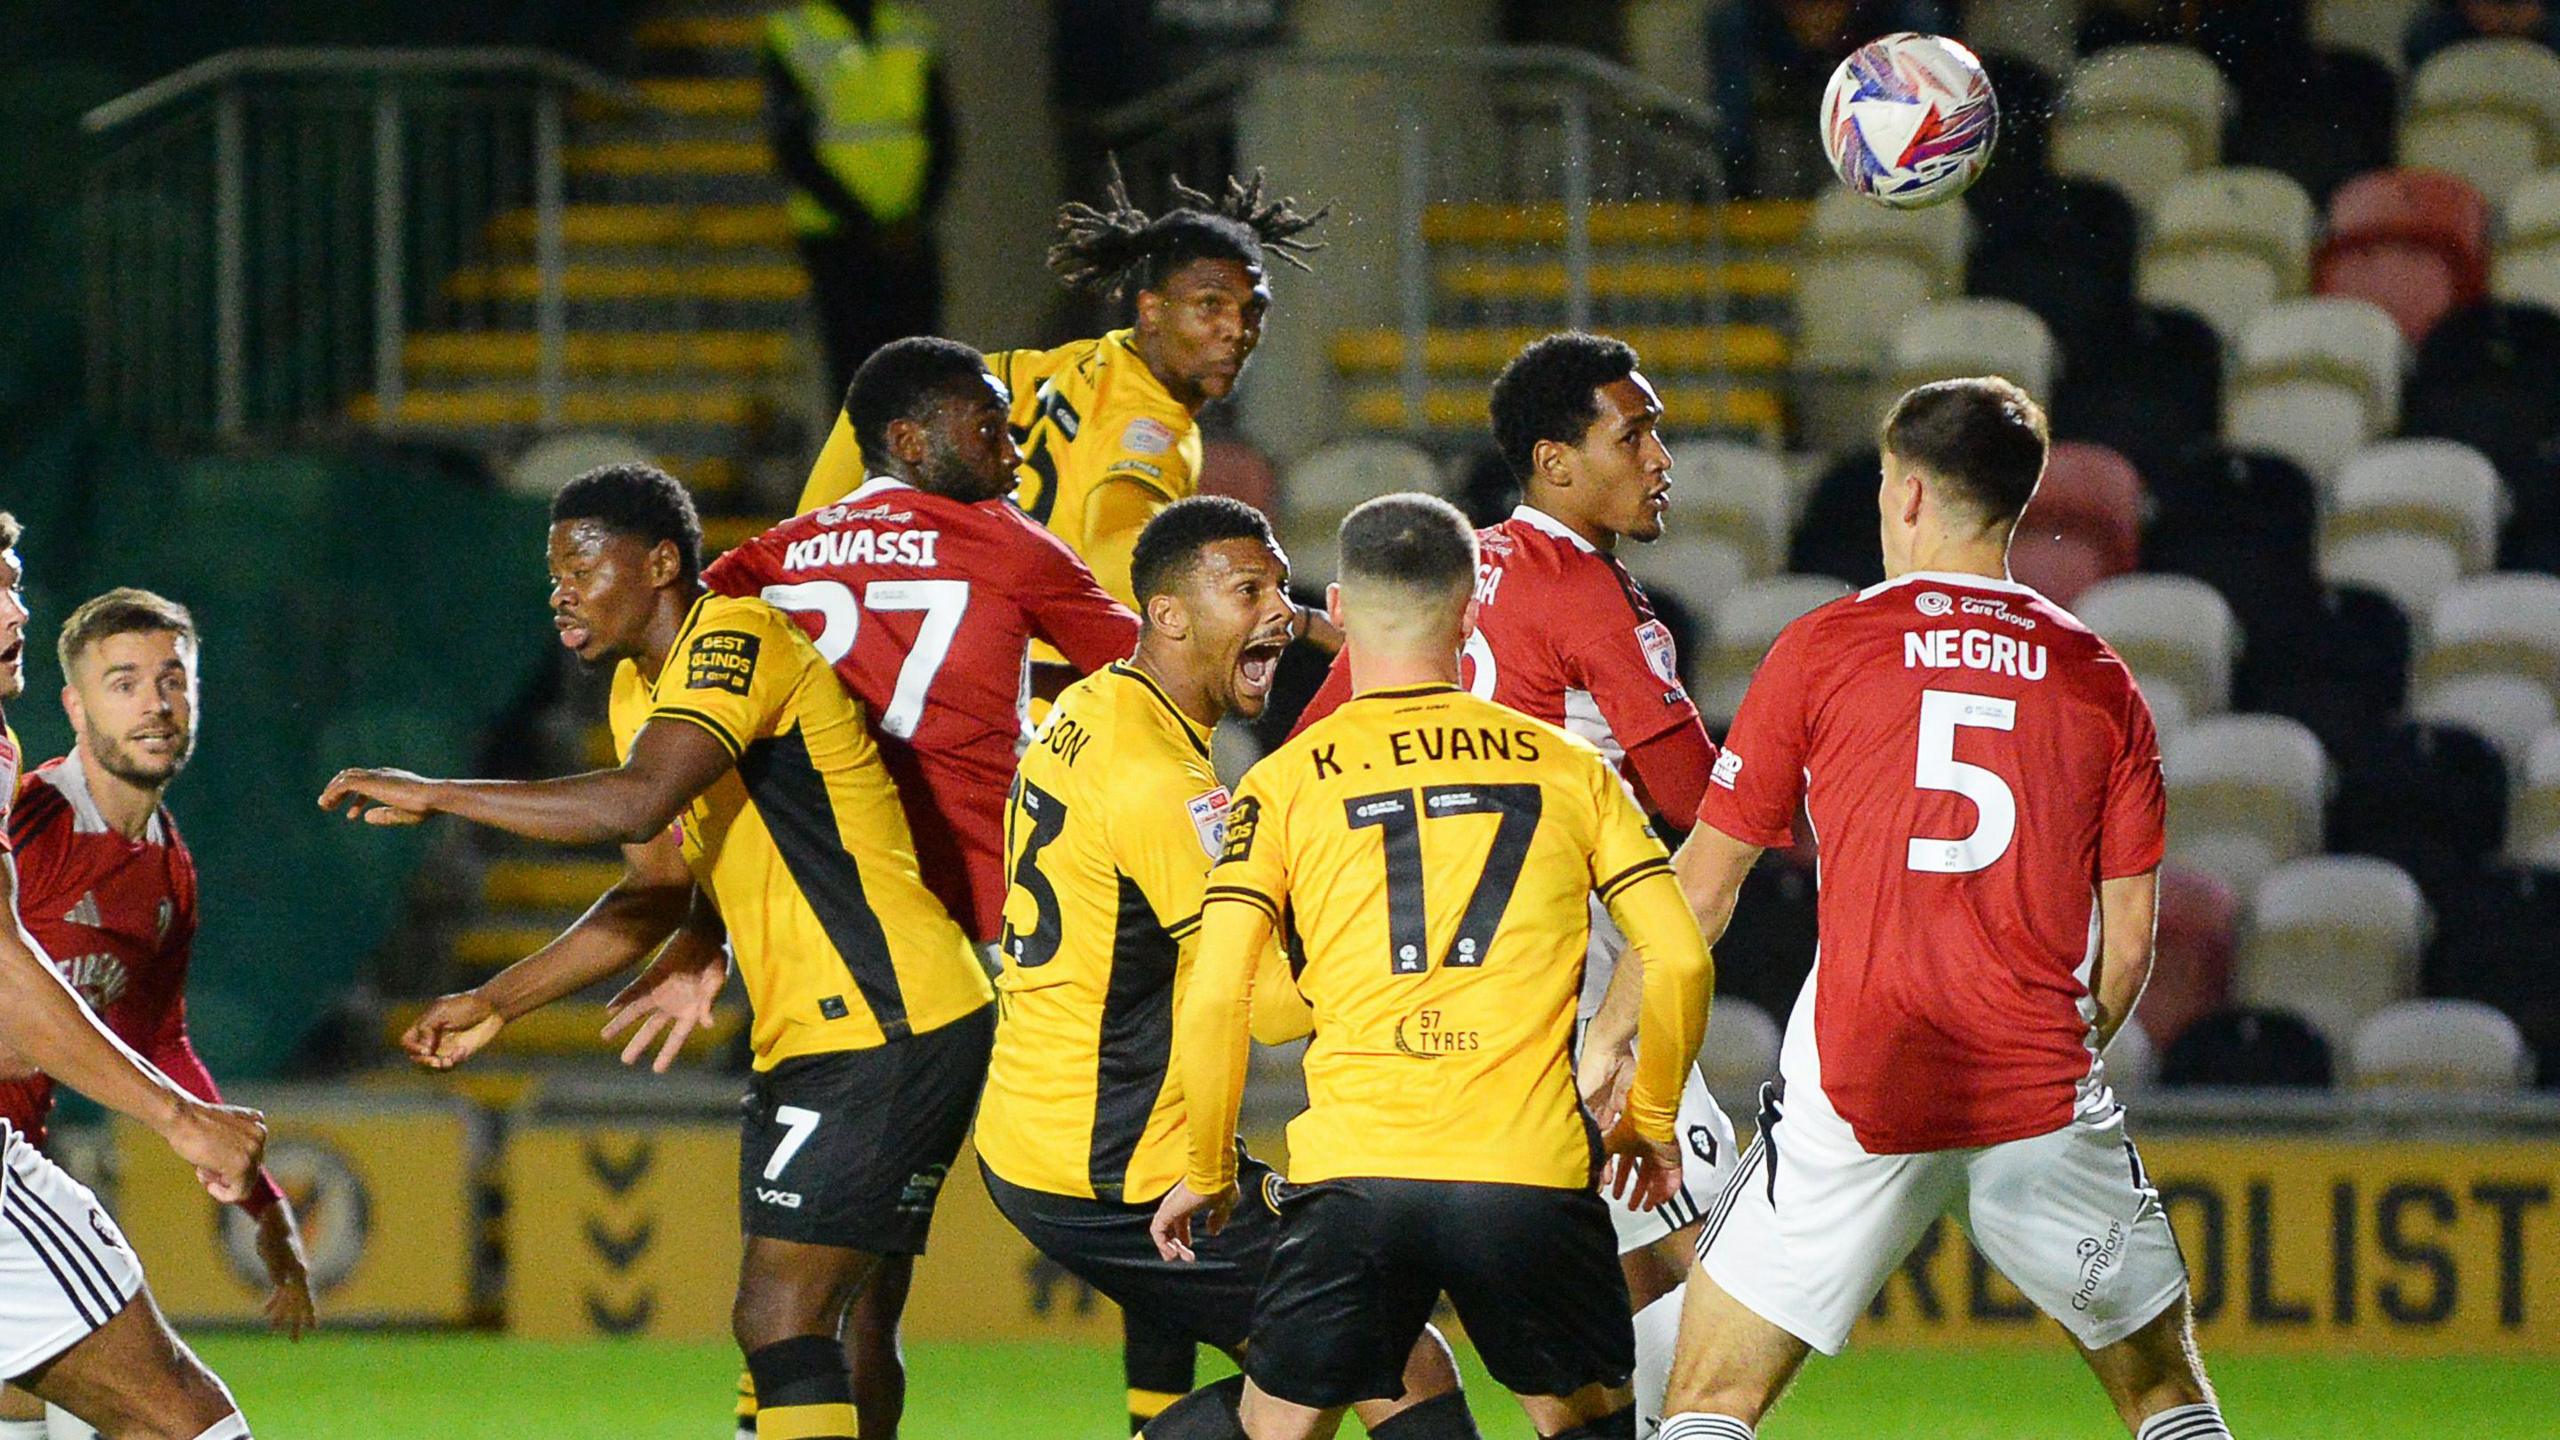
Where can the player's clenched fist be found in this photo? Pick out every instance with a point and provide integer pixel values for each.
(379, 797)
(453, 1030)
(225, 1144)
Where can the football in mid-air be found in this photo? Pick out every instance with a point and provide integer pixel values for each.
(1909, 120)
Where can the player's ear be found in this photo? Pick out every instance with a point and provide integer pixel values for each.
(1150, 309)
(71, 706)
(1167, 615)
(666, 562)
(1333, 603)
(1552, 461)
(906, 441)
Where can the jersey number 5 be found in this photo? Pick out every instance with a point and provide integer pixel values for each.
(943, 602)
(1408, 921)
(1941, 712)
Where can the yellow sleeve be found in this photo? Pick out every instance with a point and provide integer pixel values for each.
(735, 674)
(839, 471)
(1632, 876)
(1252, 863)
(1213, 1035)
(1280, 1013)
(1114, 514)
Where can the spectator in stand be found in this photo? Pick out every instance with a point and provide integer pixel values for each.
(1768, 61)
(2448, 22)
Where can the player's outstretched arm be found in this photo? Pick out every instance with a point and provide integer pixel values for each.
(1679, 983)
(618, 931)
(2128, 917)
(46, 1023)
(671, 762)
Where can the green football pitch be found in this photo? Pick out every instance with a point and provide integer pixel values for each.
(434, 1387)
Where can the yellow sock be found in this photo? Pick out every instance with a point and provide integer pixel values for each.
(746, 1395)
(832, 1421)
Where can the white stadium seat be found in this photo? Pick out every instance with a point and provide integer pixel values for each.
(2374, 27)
(1952, 339)
(1741, 1047)
(1732, 490)
(1319, 490)
(2533, 826)
(2140, 116)
(2336, 937)
(2440, 1045)
(2178, 634)
(2315, 379)
(1697, 570)
(2246, 794)
(2228, 243)
(1745, 624)
(2486, 110)
(2506, 622)
(550, 463)
(2411, 517)
(2527, 267)
(2509, 711)
(1867, 267)
(2132, 1061)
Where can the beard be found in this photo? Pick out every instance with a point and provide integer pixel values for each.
(945, 471)
(129, 764)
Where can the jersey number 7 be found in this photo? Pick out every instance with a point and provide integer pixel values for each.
(1408, 921)
(943, 602)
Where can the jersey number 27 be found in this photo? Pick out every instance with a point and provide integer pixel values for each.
(943, 602)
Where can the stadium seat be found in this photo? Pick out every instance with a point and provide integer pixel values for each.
(2369, 27)
(2192, 948)
(2245, 795)
(2093, 494)
(2509, 711)
(1736, 493)
(2059, 566)
(1744, 625)
(2505, 622)
(2533, 830)
(1234, 468)
(2254, 1048)
(1954, 338)
(2411, 517)
(2430, 798)
(2149, 388)
(2341, 667)
(1838, 532)
(2140, 116)
(2423, 209)
(2315, 378)
(2489, 376)
(1698, 570)
(2330, 117)
(2176, 633)
(2063, 248)
(1741, 1047)
(1319, 490)
(2226, 244)
(550, 463)
(2133, 1063)
(2527, 268)
(2245, 523)
(1864, 269)
(2493, 943)
(2336, 937)
(2486, 110)
(2439, 1045)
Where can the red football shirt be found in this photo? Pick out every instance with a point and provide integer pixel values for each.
(927, 607)
(1973, 761)
(1564, 633)
(118, 918)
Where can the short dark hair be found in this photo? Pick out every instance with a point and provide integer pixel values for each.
(1409, 539)
(1551, 391)
(1170, 546)
(121, 611)
(9, 531)
(1983, 436)
(636, 498)
(903, 380)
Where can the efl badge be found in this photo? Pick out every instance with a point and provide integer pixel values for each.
(1659, 652)
(1147, 437)
(1209, 817)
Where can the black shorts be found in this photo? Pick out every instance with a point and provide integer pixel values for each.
(850, 1148)
(1532, 1271)
(1106, 1245)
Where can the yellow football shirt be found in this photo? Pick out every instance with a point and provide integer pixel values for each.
(1088, 415)
(803, 846)
(1111, 826)
(1432, 857)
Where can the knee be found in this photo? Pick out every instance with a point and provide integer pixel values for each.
(772, 1313)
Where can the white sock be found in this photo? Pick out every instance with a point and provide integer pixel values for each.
(23, 1430)
(229, 1427)
(1691, 1425)
(61, 1424)
(1657, 1336)
(2186, 1422)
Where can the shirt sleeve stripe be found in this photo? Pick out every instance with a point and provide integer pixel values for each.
(1608, 889)
(1254, 898)
(1183, 929)
(718, 731)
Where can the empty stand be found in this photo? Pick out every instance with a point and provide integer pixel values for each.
(2226, 244)
(2147, 385)
(2439, 1045)
(2177, 633)
(2249, 1047)
(1745, 624)
(2246, 794)
(2414, 242)
(2315, 379)
(2336, 937)
(2411, 517)
(2430, 798)
(2486, 110)
(2140, 116)
(2192, 951)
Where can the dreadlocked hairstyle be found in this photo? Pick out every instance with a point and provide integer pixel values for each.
(1109, 251)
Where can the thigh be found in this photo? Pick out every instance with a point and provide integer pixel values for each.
(850, 1149)
(65, 1269)
(133, 1374)
(1347, 1293)
(1533, 1273)
(2073, 1221)
(1810, 1223)
(1208, 1300)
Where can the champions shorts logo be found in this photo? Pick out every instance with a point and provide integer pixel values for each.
(922, 1187)
(1660, 654)
(1147, 437)
(1728, 769)
(1933, 603)
(2097, 1257)
(1209, 818)
(721, 660)
(1236, 845)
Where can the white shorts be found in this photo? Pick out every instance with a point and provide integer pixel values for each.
(65, 1268)
(1707, 1156)
(1810, 1225)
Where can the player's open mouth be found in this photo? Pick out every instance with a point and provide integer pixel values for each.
(1259, 663)
(15, 651)
(572, 634)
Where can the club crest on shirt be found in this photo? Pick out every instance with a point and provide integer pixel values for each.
(1660, 653)
(1209, 818)
(1147, 436)
(721, 660)
(1932, 602)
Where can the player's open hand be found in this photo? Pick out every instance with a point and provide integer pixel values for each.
(1171, 1229)
(380, 797)
(1642, 1173)
(224, 1143)
(453, 1030)
(289, 1309)
(674, 997)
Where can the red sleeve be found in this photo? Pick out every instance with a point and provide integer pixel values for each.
(1758, 781)
(1071, 610)
(1671, 770)
(740, 572)
(2133, 833)
(167, 1045)
(1329, 696)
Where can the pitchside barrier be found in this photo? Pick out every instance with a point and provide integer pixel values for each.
(2312, 1223)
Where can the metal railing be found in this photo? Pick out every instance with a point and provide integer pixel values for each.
(1523, 126)
(265, 229)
